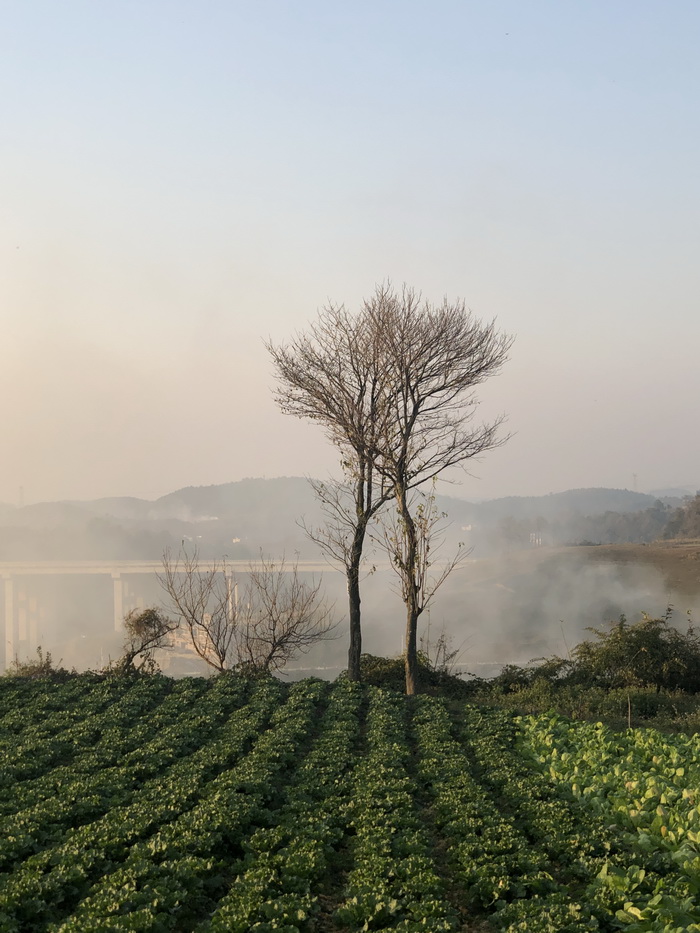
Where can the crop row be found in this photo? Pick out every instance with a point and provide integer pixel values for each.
(27, 703)
(284, 863)
(70, 796)
(56, 736)
(54, 879)
(504, 869)
(394, 882)
(99, 740)
(178, 873)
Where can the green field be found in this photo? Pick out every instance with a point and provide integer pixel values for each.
(236, 805)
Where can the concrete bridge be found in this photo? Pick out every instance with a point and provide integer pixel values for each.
(20, 618)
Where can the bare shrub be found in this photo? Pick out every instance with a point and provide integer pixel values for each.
(146, 631)
(276, 618)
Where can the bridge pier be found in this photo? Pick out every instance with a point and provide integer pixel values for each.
(118, 602)
(124, 600)
(20, 620)
(231, 596)
(10, 635)
(33, 613)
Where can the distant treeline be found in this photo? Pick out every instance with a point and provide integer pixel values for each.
(608, 528)
(658, 521)
(685, 521)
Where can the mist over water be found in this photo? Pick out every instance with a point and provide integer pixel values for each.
(507, 609)
(499, 611)
(516, 616)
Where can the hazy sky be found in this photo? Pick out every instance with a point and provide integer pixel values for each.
(180, 180)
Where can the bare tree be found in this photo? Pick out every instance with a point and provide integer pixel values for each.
(413, 558)
(282, 617)
(433, 358)
(439, 652)
(393, 387)
(277, 617)
(333, 375)
(146, 631)
(203, 596)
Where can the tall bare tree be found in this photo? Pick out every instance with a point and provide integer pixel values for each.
(333, 375)
(393, 388)
(433, 358)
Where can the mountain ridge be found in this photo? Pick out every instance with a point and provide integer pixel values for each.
(241, 518)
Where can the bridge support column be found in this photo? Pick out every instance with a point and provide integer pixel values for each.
(21, 600)
(10, 639)
(118, 602)
(33, 615)
(231, 597)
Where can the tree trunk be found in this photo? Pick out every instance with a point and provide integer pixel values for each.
(411, 661)
(411, 592)
(353, 574)
(355, 649)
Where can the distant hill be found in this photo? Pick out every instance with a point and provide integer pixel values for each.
(121, 507)
(237, 519)
(261, 498)
(674, 492)
(240, 519)
(42, 515)
(593, 501)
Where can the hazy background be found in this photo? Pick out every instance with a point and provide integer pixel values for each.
(506, 612)
(179, 181)
(539, 570)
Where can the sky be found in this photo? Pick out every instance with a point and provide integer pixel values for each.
(181, 181)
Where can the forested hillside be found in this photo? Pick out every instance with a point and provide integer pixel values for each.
(685, 521)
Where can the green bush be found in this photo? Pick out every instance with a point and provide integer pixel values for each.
(673, 710)
(42, 668)
(391, 673)
(648, 653)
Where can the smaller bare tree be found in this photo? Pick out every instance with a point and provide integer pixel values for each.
(277, 617)
(203, 598)
(146, 631)
(439, 653)
(412, 558)
(282, 617)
